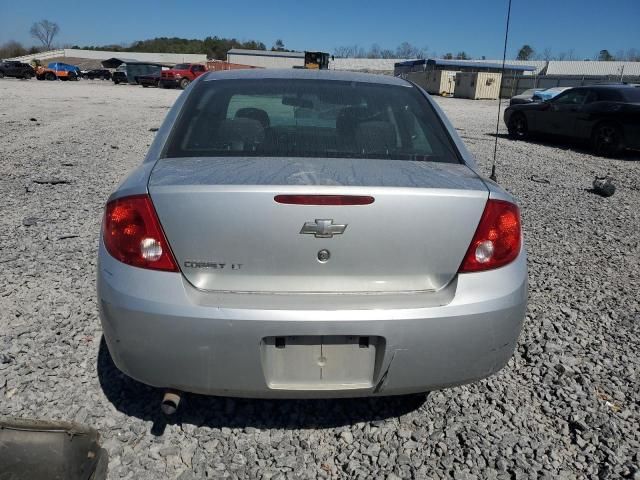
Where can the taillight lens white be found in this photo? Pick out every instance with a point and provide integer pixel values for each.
(497, 239)
(132, 234)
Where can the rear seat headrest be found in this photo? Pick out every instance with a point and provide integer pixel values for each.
(375, 137)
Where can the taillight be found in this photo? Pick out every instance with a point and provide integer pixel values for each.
(324, 199)
(497, 239)
(132, 234)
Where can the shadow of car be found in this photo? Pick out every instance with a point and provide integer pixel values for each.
(142, 401)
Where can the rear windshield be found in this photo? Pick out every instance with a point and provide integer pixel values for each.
(309, 118)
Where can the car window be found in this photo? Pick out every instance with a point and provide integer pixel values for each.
(572, 97)
(309, 118)
(608, 95)
(631, 94)
(591, 97)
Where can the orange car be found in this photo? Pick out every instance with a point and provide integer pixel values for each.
(58, 70)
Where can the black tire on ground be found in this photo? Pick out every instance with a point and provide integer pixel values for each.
(116, 82)
(161, 85)
(27, 76)
(517, 126)
(39, 77)
(1, 74)
(50, 76)
(184, 83)
(606, 139)
(144, 85)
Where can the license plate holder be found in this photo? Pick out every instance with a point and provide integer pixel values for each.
(330, 362)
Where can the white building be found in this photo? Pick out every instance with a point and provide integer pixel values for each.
(99, 55)
(265, 58)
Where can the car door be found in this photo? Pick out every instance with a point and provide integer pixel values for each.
(561, 115)
(11, 69)
(197, 70)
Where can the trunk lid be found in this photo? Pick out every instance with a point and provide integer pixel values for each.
(229, 234)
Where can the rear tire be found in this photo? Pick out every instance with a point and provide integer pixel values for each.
(50, 76)
(517, 127)
(1, 74)
(184, 83)
(606, 140)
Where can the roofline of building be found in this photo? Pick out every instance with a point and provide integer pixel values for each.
(265, 53)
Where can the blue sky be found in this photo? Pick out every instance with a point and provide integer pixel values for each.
(474, 26)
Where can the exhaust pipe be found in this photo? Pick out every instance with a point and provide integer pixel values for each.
(170, 402)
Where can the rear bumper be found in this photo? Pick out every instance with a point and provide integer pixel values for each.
(160, 333)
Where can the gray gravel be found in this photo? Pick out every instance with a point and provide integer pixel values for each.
(566, 406)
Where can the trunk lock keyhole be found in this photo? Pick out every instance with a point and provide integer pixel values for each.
(324, 256)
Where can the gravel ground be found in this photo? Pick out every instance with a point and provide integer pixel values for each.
(566, 406)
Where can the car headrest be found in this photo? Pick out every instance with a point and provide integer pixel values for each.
(239, 134)
(375, 137)
(348, 119)
(255, 114)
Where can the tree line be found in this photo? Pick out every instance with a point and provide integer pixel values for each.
(216, 47)
(527, 52)
(404, 50)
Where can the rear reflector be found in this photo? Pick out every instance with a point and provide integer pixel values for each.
(324, 199)
(497, 239)
(132, 234)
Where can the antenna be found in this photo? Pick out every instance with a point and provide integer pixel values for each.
(504, 59)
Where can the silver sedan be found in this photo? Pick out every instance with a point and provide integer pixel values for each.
(308, 233)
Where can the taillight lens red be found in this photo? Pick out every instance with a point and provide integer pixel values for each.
(324, 199)
(132, 234)
(497, 239)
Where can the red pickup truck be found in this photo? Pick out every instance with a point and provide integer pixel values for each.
(181, 75)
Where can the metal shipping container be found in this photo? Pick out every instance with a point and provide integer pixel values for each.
(435, 82)
(478, 85)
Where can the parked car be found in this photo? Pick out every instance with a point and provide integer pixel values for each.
(101, 73)
(525, 97)
(150, 80)
(548, 94)
(352, 255)
(10, 68)
(181, 75)
(606, 115)
(58, 71)
(120, 75)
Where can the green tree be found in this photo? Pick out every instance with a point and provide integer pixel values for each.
(462, 56)
(525, 53)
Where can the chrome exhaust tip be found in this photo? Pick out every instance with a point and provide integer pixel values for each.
(170, 402)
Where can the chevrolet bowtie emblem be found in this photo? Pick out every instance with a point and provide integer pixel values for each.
(323, 228)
